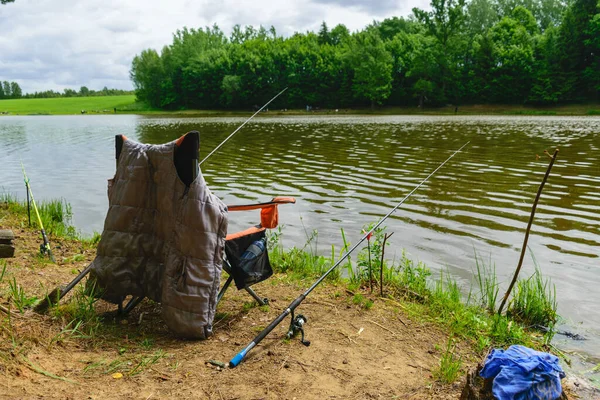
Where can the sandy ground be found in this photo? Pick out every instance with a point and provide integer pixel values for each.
(354, 353)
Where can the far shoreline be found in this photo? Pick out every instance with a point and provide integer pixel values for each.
(120, 105)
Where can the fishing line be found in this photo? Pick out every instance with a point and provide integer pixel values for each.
(241, 126)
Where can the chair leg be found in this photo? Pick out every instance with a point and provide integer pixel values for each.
(131, 305)
(261, 301)
(225, 286)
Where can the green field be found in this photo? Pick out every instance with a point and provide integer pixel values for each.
(68, 105)
(127, 104)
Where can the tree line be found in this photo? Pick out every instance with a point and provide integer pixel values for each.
(83, 92)
(12, 90)
(480, 51)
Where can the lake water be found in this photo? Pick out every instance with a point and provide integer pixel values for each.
(348, 171)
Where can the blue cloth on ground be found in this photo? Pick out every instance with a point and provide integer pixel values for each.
(521, 373)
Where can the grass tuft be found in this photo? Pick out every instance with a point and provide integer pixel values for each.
(487, 282)
(449, 368)
(19, 298)
(534, 302)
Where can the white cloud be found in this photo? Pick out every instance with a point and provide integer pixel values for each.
(55, 44)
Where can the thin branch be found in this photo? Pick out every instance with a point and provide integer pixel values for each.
(385, 238)
(535, 203)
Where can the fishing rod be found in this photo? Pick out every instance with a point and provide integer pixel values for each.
(58, 293)
(44, 247)
(241, 126)
(235, 361)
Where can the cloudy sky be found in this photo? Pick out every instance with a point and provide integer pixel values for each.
(55, 44)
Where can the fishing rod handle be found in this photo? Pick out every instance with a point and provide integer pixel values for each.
(235, 361)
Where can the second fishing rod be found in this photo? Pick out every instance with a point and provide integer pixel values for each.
(238, 358)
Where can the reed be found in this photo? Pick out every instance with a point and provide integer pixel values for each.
(487, 283)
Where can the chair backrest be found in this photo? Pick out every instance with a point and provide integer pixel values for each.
(185, 159)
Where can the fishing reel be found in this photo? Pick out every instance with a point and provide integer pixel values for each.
(296, 325)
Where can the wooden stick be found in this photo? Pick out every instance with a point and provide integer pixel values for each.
(370, 267)
(9, 312)
(385, 238)
(383, 327)
(535, 202)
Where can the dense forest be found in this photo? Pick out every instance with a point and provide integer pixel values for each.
(483, 51)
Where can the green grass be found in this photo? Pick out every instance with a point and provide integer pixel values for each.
(488, 284)
(301, 263)
(449, 369)
(534, 301)
(127, 104)
(56, 215)
(439, 300)
(80, 313)
(19, 298)
(69, 105)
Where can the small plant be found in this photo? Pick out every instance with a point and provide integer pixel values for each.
(264, 308)
(488, 284)
(450, 365)
(146, 362)
(3, 272)
(94, 240)
(358, 299)
(249, 305)
(80, 311)
(349, 270)
(411, 279)
(17, 293)
(369, 263)
(147, 343)
(505, 331)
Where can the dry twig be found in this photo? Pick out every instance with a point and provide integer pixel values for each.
(383, 327)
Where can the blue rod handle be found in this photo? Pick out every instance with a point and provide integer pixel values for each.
(235, 361)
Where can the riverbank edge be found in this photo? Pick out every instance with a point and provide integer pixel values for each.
(137, 108)
(436, 303)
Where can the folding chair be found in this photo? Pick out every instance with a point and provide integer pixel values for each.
(246, 258)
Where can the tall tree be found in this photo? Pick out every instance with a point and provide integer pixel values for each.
(15, 90)
(576, 46)
(513, 59)
(6, 87)
(147, 74)
(592, 70)
(6, 1)
(444, 22)
(324, 36)
(339, 34)
(372, 66)
(481, 16)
